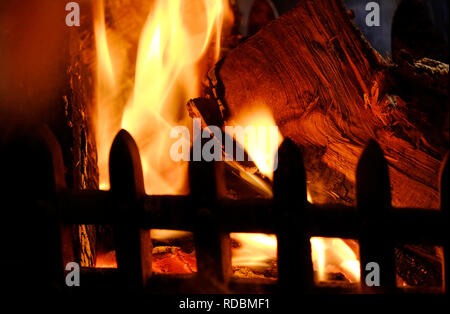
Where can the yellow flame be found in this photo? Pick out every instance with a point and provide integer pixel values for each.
(318, 257)
(105, 94)
(308, 196)
(334, 255)
(261, 146)
(256, 249)
(175, 39)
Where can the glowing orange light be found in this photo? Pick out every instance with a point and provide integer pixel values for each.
(260, 137)
(256, 249)
(107, 260)
(174, 40)
(334, 255)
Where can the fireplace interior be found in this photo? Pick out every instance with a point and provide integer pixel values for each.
(357, 174)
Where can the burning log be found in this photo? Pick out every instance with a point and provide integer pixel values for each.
(419, 265)
(242, 175)
(331, 92)
(170, 259)
(47, 83)
(81, 154)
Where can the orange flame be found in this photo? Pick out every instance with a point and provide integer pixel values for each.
(262, 141)
(334, 255)
(256, 249)
(175, 39)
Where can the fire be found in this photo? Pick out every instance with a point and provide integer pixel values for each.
(334, 255)
(176, 38)
(256, 249)
(262, 139)
(106, 260)
(329, 255)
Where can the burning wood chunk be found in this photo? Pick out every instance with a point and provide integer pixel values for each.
(243, 178)
(331, 92)
(419, 266)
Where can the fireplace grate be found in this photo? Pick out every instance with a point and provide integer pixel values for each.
(376, 225)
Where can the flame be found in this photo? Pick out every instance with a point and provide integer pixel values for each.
(262, 146)
(318, 257)
(105, 94)
(176, 38)
(309, 197)
(334, 255)
(256, 249)
(329, 255)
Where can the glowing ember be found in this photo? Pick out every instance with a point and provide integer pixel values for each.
(173, 252)
(172, 260)
(335, 256)
(107, 260)
(174, 40)
(308, 197)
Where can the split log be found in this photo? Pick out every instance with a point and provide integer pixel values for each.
(242, 178)
(331, 92)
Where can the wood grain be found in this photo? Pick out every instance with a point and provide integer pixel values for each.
(331, 92)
